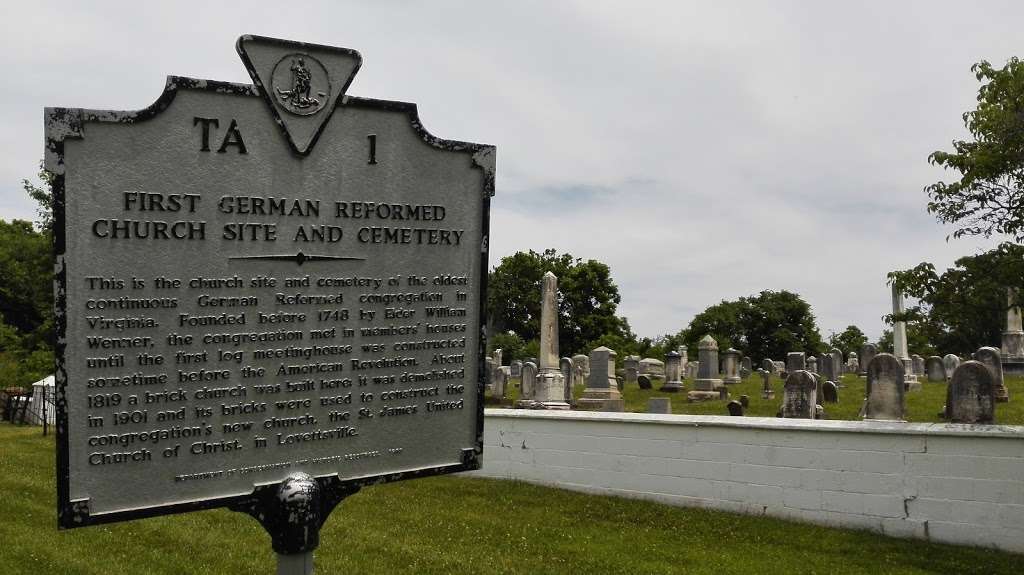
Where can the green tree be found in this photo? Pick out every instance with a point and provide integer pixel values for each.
(850, 339)
(988, 198)
(587, 299)
(963, 308)
(768, 325)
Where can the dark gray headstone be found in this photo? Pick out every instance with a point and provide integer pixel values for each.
(992, 359)
(830, 392)
(885, 388)
(644, 381)
(971, 397)
(795, 361)
(935, 369)
(799, 395)
(867, 352)
(745, 401)
(735, 407)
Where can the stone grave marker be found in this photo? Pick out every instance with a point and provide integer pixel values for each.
(731, 364)
(659, 405)
(867, 352)
(885, 388)
(935, 369)
(268, 250)
(528, 382)
(735, 408)
(950, 362)
(766, 387)
(812, 364)
(795, 361)
(516, 368)
(673, 363)
(565, 366)
(992, 359)
(971, 396)
(631, 368)
(830, 392)
(643, 381)
(799, 395)
(602, 391)
(707, 372)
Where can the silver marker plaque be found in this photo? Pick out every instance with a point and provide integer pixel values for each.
(255, 281)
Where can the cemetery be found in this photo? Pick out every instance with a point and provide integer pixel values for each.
(269, 323)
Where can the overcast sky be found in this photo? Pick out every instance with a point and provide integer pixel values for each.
(704, 151)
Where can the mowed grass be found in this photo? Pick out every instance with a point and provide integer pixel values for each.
(451, 525)
(923, 406)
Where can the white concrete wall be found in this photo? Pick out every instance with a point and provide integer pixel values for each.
(944, 482)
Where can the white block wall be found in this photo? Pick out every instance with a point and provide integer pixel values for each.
(944, 482)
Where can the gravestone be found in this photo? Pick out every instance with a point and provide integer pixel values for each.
(499, 383)
(799, 395)
(768, 365)
(745, 401)
(826, 368)
(550, 387)
(746, 364)
(812, 364)
(885, 388)
(795, 361)
(852, 363)
(498, 357)
(659, 405)
(837, 367)
(489, 370)
(1013, 336)
(602, 391)
(516, 368)
(830, 392)
(565, 366)
(780, 367)
(259, 243)
(766, 387)
(917, 363)
(631, 367)
(643, 381)
(583, 362)
(971, 396)
(867, 352)
(693, 368)
(684, 358)
(652, 366)
(735, 408)
(991, 358)
(731, 364)
(528, 381)
(707, 379)
(950, 362)
(935, 369)
(672, 380)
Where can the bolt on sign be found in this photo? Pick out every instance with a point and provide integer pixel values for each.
(254, 281)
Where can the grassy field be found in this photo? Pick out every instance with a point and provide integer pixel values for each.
(451, 525)
(922, 406)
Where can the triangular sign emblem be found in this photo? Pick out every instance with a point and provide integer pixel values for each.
(301, 82)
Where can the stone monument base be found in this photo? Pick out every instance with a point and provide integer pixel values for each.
(707, 384)
(1013, 365)
(912, 385)
(695, 396)
(671, 387)
(594, 404)
(732, 380)
(534, 404)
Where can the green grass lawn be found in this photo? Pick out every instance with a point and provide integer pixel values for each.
(451, 525)
(922, 406)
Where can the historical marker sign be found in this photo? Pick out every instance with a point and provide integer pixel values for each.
(259, 280)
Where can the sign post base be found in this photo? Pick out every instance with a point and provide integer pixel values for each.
(292, 512)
